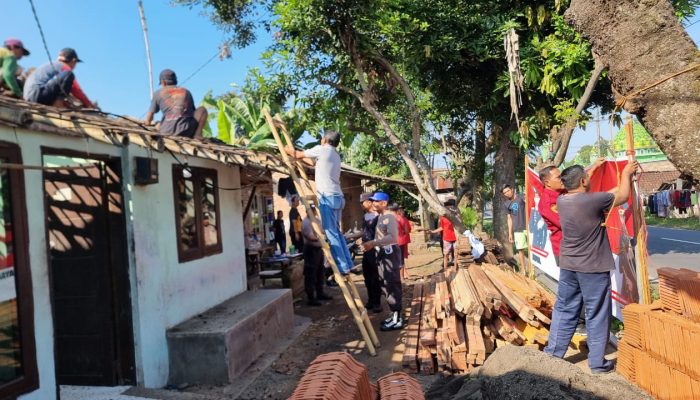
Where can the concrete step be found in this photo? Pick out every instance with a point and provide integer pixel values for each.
(217, 346)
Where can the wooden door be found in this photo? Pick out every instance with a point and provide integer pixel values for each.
(88, 271)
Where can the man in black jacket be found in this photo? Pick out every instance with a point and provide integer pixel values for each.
(369, 258)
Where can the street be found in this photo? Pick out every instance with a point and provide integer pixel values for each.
(677, 248)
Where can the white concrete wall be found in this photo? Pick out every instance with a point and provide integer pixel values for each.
(164, 292)
(43, 323)
(170, 292)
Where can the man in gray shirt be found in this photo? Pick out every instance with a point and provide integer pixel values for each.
(385, 244)
(330, 196)
(585, 261)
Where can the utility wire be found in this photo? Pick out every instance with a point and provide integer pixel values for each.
(201, 67)
(41, 31)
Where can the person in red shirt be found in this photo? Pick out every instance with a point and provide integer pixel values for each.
(404, 236)
(52, 83)
(448, 238)
(553, 188)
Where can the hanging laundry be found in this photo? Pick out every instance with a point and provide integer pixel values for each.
(285, 187)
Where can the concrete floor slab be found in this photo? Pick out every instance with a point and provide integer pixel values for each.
(96, 393)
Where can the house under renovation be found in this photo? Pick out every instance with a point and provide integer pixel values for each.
(122, 259)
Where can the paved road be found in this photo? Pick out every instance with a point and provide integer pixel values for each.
(673, 248)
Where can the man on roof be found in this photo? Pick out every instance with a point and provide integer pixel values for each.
(54, 83)
(180, 118)
(9, 54)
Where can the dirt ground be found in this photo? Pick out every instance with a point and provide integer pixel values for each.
(333, 329)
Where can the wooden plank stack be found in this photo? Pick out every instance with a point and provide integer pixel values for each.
(659, 350)
(463, 316)
(463, 252)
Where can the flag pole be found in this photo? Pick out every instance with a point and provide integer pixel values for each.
(531, 267)
(639, 233)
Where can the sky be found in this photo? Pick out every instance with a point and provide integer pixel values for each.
(107, 36)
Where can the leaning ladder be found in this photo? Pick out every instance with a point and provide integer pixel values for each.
(346, 284)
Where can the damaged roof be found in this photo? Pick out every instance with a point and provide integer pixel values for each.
(119, 131)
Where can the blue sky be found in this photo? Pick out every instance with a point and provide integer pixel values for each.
(107, 36)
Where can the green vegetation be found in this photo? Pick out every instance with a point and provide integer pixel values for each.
(692, 223)
(469, 217)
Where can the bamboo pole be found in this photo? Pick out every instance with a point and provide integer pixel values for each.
(639, 234)
(356, 307)
(531, 267)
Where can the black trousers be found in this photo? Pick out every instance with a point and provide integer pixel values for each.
(313, 271)
(371, 275)
(298, 244)
(389, 266)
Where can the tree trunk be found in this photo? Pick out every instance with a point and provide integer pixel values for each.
(478, 174)
(641, 42)
(504, 174)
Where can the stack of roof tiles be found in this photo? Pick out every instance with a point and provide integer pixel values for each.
(334, 376)
(659, 351)
(399, 386)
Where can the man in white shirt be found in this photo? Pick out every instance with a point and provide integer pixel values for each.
(330, 196)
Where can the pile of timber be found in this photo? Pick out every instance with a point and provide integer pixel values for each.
(493, 253)
(463, 252)
(659, 350)
(458, 319)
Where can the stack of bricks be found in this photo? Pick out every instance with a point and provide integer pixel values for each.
(399, 386)
(659, 350)
(335, 376)
(679, 290)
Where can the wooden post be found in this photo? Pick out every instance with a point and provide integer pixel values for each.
(639, 235)
(531, 267)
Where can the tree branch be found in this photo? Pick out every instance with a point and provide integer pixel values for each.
(567, 130)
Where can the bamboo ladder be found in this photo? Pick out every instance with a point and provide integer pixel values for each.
(346, 284)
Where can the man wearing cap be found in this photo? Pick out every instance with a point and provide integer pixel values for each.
(14, 50)
(369, 258)
(52, 83)
(331, 200)
(385, 241)
(180, 118)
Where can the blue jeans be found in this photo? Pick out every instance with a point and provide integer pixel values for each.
(577, 289)
(59, 86)
(331, 208)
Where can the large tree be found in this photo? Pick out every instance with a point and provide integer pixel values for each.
(641, 42)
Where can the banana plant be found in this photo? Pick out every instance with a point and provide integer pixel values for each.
(240, 121)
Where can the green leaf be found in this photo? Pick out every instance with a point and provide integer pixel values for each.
(223, 124)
